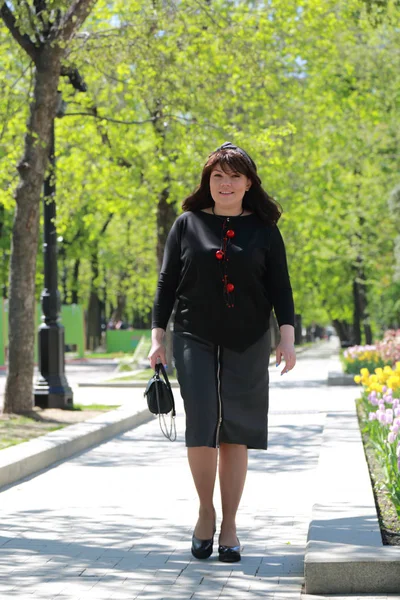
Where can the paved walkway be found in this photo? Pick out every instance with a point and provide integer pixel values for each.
(116, 521)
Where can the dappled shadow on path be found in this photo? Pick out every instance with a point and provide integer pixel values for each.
(345, 523)
(290, 447)
(50, 546)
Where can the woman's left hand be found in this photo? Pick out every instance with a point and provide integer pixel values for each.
(286, 351)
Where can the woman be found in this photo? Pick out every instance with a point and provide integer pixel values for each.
(225, 263)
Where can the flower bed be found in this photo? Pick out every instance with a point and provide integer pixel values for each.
(358, 357)
(385, 352)
(380, 401)
(389, 347)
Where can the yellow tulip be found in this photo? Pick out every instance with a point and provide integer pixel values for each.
(393, 382)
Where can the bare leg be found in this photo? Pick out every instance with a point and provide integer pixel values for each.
(232, 475)
(203, 464)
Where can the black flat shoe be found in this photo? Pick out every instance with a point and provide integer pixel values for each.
(229, 554)
(202, 548)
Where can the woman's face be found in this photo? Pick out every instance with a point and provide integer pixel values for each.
(228, 188)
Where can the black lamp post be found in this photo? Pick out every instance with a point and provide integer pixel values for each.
(51, 389)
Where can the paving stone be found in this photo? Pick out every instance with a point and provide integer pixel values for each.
(208, 589)
(138, 578)
(189, 581)
(152, 592)
(267, 584)
(112, 540)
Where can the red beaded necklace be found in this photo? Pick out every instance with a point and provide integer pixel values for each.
(222, 257)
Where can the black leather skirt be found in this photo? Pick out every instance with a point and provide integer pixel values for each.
(225, 393)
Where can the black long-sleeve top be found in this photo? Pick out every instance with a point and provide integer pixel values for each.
(253, 260)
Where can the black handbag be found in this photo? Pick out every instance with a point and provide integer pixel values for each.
(160, 401)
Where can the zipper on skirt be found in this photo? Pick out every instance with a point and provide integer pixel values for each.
(219, 396)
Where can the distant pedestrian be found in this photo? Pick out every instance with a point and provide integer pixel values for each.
(225, 263)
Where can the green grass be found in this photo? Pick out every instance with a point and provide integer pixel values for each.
(21, 428)
(89, 355)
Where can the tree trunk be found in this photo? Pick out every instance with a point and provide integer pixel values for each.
(298, 330)
(140, 321)
(4, 254)
(64, 274)
(119, 311)
(93, 333)
(356, 313)
(361, 315)
(166, 216)
(368, 333)
(344, 331)
(75, 282)
(93, 330)
(25, 235)
(46, 49)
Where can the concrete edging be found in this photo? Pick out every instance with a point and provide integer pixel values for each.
(339, 378)
(344, 553)
(22, 460)
(124, 384)
(142, 383)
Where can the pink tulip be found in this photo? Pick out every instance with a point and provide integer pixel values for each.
(381, 416)
(389, 415)
(372, 416)
(391, 437)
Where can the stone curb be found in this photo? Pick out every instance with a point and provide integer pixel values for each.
(123, 384)
(339, 378)
(344, 553)
(22, 460)
(142, 384)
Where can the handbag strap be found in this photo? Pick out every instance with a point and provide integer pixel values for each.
(160, 367)
(171, 434)
(164, 430)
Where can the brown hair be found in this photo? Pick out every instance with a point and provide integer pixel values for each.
(256, 199)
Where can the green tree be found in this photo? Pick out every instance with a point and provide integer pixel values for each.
(43, 30)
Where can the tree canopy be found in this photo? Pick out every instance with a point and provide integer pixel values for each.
(309, 89)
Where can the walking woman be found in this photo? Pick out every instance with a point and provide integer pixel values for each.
(225, 264)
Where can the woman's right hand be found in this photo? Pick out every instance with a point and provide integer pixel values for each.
(157, 351)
